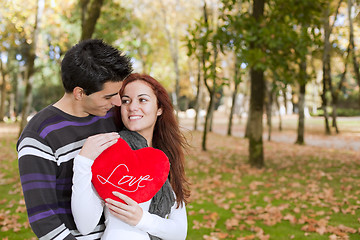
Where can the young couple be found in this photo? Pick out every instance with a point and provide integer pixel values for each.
(58, 146)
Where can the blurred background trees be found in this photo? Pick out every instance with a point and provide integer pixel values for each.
(243, 58)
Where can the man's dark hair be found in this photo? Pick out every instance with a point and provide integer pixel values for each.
(91, 63)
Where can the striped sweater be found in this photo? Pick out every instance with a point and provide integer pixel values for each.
(46, 150)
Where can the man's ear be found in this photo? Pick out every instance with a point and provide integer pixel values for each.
(78, 93)
(159, 112)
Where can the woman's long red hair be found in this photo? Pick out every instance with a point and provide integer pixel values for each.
(167, 135)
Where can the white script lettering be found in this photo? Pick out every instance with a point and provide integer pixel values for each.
(126, 183)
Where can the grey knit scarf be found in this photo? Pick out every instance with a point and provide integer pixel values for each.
(164, 199)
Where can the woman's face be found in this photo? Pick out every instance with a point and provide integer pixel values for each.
(139, 109)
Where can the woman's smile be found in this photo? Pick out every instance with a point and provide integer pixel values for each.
(135, 117)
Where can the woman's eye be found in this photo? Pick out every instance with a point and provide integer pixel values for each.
(124, 101)
(143, 100)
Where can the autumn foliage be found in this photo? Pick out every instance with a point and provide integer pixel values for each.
(303, 192)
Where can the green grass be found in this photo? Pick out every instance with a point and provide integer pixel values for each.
(319, 188)
(303, 192)
(340, 112)
(13, 217)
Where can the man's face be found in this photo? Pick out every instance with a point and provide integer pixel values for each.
(99, 103)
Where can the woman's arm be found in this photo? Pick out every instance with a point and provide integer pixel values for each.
(86, 205)
(174, 227)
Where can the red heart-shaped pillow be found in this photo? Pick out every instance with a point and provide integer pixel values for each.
(139, 174)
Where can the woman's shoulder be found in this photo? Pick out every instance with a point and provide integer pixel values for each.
(134, 139)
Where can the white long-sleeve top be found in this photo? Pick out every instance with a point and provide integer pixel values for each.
(87, 208)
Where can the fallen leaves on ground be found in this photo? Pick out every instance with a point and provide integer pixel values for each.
(308, 187)
(301, 186)
(10, 219)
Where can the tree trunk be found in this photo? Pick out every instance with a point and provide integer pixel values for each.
(327, 80)
(17, 103)
(211, 89)
(247, 128)
(12, 112)
(232, 109)
(324, 104)
(352, 46)
(90, 13)
(2, 91)
(174, 52)
(211, 118)
(198, 97)
(279, 109)
(303, 79)
(234, 95)
(284, 92)
(30, 69)
(268, 104)
(326, 69)
(335, 95)
(301, 120)
(212, 92)
(256, 151)
(28, 88)
(207, 119)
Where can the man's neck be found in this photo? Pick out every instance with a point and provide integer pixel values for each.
(70, 106)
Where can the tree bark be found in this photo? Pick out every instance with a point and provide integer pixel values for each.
(211, 89)
(256, 151)
(301, 120)
(198, 96)
(234, 95)
(174, 52)
(28, 87)
(352, 46)
(279, 109)
(326, 69)
(30, 69)
(268, 104)
(90, 13)
(303, 79)
(212, 93)
(284, 92)
(3, 90)
(335, 95)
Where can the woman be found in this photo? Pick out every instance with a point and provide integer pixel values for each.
(147, 119)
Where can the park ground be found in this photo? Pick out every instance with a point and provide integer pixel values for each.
(347, 138)
(306, 191)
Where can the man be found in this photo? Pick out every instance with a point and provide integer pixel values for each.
(92, 74)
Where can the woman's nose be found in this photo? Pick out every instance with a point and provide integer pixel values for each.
(133, 105)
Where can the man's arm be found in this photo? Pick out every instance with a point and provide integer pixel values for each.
(38, 173)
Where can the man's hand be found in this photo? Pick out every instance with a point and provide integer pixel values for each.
(96, 144)
(130, 213)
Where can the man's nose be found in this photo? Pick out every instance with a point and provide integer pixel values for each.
(116, 100)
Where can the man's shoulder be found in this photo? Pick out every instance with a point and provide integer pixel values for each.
(40, 117)
(36, 121)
